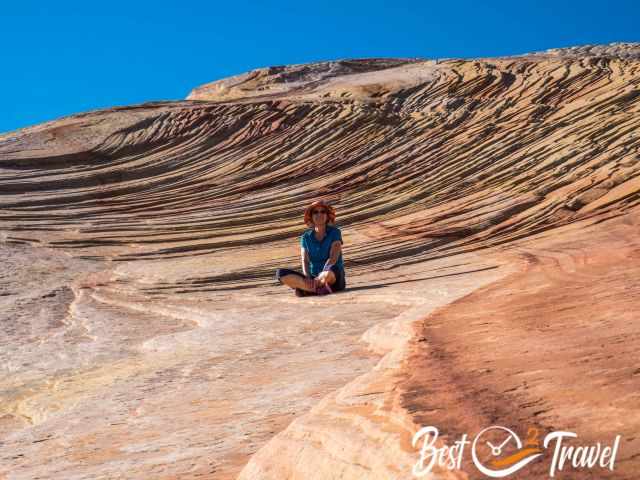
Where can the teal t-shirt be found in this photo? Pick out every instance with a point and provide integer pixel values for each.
(319, 251)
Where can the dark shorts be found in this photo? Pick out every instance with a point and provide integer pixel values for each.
(340, 284)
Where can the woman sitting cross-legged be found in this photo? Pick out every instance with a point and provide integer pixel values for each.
(321, 252)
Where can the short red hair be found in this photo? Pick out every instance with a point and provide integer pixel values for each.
(331, 213)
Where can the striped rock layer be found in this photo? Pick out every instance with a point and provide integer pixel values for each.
(490, 214)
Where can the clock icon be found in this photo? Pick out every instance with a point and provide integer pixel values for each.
(498, 438)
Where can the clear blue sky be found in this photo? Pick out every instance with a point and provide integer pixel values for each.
(62, 57)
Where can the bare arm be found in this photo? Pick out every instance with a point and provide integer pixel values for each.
(334, 254)
(305, 262)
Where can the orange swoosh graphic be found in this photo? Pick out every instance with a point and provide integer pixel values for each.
(511, 459)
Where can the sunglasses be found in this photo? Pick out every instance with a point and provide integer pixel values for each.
(314, 212)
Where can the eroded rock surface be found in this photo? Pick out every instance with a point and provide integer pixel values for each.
(490, 215)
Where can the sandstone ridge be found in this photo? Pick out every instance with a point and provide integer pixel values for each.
(490, 212)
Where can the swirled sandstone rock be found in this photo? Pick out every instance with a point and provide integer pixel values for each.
(490, 214)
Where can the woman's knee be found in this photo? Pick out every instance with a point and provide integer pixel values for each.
(284, 275)
(281, 272)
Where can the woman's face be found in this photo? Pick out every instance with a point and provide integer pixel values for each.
(319, 215)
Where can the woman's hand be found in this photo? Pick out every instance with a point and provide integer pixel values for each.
(322, 277)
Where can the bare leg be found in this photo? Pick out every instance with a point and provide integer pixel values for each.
(295, 281)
